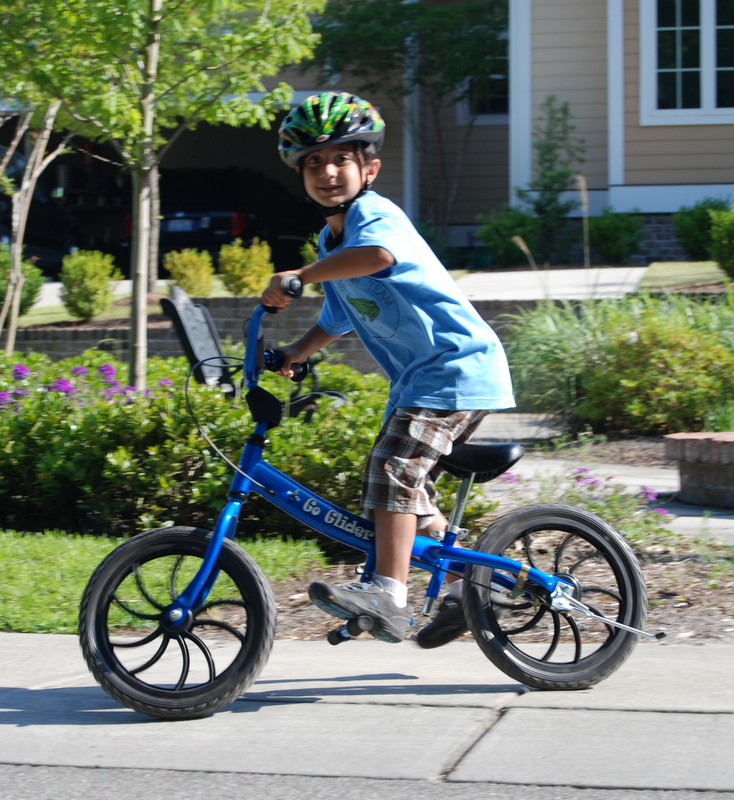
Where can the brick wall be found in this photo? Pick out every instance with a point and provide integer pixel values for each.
(706, 465)
(228, 313)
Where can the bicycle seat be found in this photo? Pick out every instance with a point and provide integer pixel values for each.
(485, 461)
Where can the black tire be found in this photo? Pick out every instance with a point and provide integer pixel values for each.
(529, 641)
(175, 673)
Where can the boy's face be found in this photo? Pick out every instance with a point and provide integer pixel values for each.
(336, 174)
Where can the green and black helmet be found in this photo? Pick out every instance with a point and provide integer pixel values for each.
(322, 120)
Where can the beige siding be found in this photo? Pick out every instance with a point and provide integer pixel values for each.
(483, 163)
(570, 61)
(668, 154)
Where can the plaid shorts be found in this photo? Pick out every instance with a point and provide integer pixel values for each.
(401, 468)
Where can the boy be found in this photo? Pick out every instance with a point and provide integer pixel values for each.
(446, 367)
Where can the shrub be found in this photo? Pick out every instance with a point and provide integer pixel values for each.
(34, 280)
(86, 278)
(308, 253)
(245, 270)
(722, 240)
(192, 270)
(84, 453)
(615, 236)
(636, 365)
(693, 227)
(662, 379)
(499, 228)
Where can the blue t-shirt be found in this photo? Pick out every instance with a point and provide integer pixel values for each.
(413, 319)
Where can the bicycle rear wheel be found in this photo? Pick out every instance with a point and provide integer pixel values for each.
(166, 671)
(525, 638)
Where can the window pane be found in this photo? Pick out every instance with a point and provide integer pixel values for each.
(690, 49)
(690, 12)
(725, 47)
(691, 89)
(725, 89)
(725, 12)
(666, 13)
(667, 90)
(666, 50)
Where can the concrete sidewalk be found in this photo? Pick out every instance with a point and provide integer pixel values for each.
(560, 284)
(664, 720)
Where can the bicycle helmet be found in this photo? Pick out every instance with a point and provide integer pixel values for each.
(322, 120)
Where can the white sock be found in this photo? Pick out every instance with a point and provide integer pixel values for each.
(397, 590)
(455, 589)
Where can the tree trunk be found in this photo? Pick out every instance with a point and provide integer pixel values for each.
(142, 206)
(37, 162)
(155, 229)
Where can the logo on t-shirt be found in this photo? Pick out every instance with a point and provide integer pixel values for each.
(374, 304)
(367, 309)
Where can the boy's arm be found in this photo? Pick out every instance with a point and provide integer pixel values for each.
(352, 262)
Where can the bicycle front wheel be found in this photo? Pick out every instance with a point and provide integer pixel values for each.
(167, 671)
(524, 637)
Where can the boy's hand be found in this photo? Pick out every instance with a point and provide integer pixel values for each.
(292, 355)
(274, 296)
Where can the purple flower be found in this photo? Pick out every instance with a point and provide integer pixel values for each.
(79, 371)
(648, 495)
(508, 477)
(106, 372)
(164, 382)
(20, 371)
(581, 471)
(4, 398)
(663, 513)
(63, 386)
(19, 393)
(129, 389)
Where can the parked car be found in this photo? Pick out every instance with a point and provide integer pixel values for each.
(206, 208)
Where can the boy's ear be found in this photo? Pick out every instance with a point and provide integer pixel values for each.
(373, 169)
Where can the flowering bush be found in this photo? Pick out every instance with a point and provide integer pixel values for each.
(634, 514)
(84, 452)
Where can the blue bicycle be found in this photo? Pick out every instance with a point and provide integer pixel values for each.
(178, 622)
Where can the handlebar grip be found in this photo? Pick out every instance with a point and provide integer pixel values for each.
(290, 285)
(274, 359)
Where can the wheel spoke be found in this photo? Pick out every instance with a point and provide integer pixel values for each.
(217, 623)
(141, 588)
(186, 666)
(576, 637)
(172, 580)
(133, 613)
(140, 642)
(556, 636)
(192, 637)
(153, 659)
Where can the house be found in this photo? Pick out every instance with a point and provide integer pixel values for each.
(650, 85)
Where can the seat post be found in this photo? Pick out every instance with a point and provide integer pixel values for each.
(462, 497)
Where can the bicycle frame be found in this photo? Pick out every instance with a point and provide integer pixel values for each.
(258, 476)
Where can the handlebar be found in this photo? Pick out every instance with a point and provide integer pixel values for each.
(275, 359)
(293, 287)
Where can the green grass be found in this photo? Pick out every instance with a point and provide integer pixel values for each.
(42, 576)
(667, 274)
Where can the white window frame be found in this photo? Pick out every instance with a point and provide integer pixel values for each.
(708, 114)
